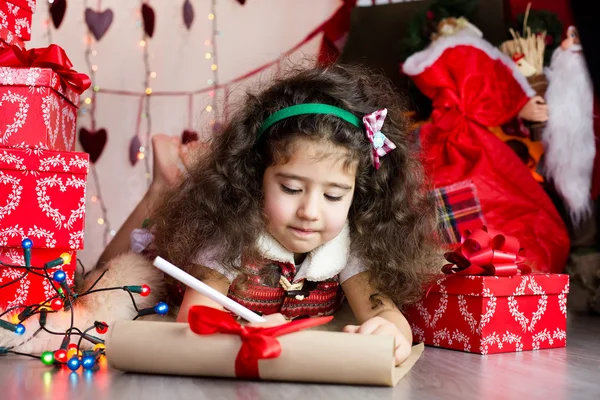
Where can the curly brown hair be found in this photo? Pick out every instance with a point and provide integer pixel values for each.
(392, 218)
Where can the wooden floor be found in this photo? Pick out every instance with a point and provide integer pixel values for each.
(569, 373)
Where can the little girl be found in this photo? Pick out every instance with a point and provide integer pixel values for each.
(311, 193)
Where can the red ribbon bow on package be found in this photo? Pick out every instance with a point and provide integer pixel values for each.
(257, 343)
(487, 252)
(53, 57)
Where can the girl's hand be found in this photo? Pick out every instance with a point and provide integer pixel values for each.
(271, 320)
(381, 326)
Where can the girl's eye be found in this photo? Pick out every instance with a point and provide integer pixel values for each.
(334, 198)
(290, 190)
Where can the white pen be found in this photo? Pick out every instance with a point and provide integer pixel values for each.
(206, 290)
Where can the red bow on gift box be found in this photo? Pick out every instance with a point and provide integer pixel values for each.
(53, 57)
(257, 343)
(487, 252)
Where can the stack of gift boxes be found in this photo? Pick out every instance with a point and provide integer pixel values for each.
(42, 178)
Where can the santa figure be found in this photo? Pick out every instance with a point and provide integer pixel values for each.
(569, 133)
(474, 87)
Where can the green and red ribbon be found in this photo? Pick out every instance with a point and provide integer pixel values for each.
(53, 57)
(257, 343)
(487, 252)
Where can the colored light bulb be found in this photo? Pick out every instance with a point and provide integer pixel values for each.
(73, 363)
(60, 355)
(47, 358)
(57, 304)
(72, 346)
(102, 327)
(145, 290)
(26, 243)
(59, 276)
(99, 346)
(66, 258)
(73, 353)
(20, 329)
(88, 362)
(161, 308)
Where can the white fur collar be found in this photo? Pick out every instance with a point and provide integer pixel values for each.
(418, 62)
(322, 263)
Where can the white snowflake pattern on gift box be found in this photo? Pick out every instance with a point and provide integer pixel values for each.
(14, 198)
(10, 232)
(513, 306)
(511, 338)
(440, 309)
(20, 116)
(45, 204)
(68, 123)
(42, 233)
(462, 338)
(50, 105)
(541, 337)
(440, 335)
(488, 341)
(562, 299)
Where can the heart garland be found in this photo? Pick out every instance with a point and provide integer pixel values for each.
(57, 10)
(149, 19)
(134, 149)
(188, 14)
(189, 136)
(93, 143)
(98, 22)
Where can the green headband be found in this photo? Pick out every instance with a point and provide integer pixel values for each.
(309, 108)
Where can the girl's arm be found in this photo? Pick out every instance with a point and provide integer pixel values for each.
(376, 314)
(219, 282)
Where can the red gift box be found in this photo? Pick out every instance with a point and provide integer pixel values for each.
(42, 196)
(35, 110)
(32, 289)
(7, 39)
(492, 314)
(16, 16)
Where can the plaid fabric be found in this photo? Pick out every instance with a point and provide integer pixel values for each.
(381, 145)
(459, 210)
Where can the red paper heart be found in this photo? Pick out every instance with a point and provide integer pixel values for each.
(188, 14)
(189, 136)
(57, 11)
(98, 22)
(93, 143)
(149, 19)
(134, 149)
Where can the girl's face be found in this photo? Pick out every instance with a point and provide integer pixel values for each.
(307, 198)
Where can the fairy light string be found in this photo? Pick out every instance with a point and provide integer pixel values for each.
(64, 299)
(89, 107)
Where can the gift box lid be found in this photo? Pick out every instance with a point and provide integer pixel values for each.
(37, 78)
(10, 38)
(495, 286)
(26, 4)
(35, 160)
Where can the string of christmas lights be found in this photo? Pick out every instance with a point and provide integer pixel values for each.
(89, 107)
(136, 146)
(46, 23)
(64, 299)
(212, 56)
